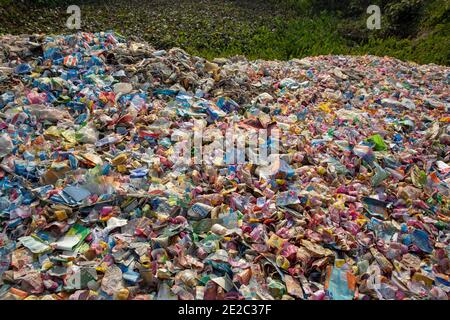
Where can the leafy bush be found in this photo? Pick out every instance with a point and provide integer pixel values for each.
(259, 29)
(44, 3)
(403, 16)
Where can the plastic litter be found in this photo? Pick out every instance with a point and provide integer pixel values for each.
(94, 204)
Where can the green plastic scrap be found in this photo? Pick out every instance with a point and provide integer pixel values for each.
(276, 288)
(378, 140)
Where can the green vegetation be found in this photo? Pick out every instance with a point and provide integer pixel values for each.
(416, 30)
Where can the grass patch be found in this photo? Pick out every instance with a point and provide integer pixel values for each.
(258, 29)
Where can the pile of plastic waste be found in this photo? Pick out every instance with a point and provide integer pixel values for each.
(93, 205)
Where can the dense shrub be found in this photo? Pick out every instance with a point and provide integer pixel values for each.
(46, 3)
(400, 17)
(268, 29)
(403, 16)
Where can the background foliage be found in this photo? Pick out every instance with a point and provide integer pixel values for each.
(417, 30)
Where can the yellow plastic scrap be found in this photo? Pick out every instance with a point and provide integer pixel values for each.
(92, 158)
(339, 263)
(120, 159)
(316, 249)
(282, 262)
(52, 132)
(60, 215)
(275, 241)
(325, 107)
(69, 135)
(123, 294)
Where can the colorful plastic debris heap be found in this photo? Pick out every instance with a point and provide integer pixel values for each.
(92, 206)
